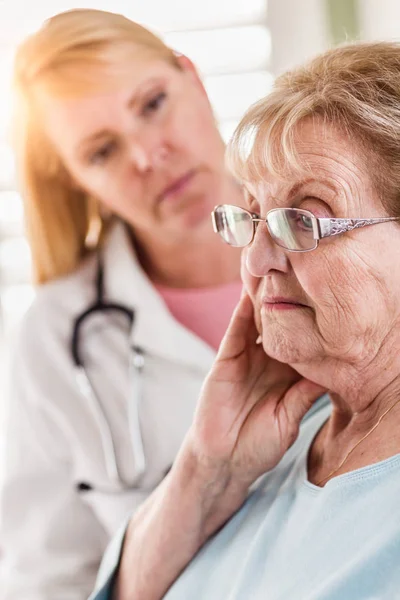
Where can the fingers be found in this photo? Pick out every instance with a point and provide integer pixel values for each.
(300, 398)
(241, 330)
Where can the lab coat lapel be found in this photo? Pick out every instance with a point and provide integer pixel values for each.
(155, 330)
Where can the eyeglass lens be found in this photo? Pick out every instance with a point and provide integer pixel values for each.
(290, 228)
(234, 225)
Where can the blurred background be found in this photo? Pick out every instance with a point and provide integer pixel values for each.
(239, 47)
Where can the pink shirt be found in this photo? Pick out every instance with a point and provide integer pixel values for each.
(205, 311)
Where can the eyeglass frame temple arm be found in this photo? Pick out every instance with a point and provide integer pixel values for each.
(329, 227)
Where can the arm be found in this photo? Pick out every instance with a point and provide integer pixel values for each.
(248, 415)
(187, 508)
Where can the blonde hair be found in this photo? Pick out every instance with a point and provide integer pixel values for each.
(354, 87)
(76, 52)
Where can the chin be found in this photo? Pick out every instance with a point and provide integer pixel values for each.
(283, 345)
(195, 214)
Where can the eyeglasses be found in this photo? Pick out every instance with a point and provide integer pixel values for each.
(294, 229)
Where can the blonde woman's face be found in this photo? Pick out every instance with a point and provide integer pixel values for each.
(149, 152)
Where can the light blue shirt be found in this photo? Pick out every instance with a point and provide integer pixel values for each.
(292, 540)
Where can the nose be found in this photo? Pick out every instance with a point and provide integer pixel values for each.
(147, 154)
(263, 255)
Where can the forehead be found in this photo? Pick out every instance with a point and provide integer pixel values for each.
(69, 118)
(324, 153)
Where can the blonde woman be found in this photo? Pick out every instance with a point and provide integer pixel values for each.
(120, 163)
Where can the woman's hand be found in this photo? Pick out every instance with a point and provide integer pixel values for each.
(251, 406)
(248, 416)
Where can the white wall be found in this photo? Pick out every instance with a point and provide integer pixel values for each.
(299, 30)
(379, 19)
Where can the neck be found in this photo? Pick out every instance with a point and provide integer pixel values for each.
(197, 258)
(365, 404)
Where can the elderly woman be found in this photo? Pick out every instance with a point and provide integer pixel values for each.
(290, 493)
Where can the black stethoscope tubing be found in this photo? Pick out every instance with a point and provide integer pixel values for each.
(100, 305)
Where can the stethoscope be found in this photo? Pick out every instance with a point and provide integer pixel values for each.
(136, 364)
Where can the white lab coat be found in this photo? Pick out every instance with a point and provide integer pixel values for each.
(52, 535)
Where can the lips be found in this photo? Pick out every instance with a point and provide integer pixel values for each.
(281, 300)
(176, 186)
(281, 303)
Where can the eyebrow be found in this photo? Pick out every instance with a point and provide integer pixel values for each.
(83, 144)
(318, 181)
(132, 101)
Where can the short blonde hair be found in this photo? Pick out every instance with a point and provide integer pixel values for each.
(76, 52)
(355, 87)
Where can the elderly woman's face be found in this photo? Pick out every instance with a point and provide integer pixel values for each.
(342, 299)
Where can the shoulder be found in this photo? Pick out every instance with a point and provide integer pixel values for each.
(58, 302)
(46, 328)
(61, 299)
(68, 294)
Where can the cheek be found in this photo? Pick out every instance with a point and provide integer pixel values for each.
(342, 286)
(327, 282)
(113, 186)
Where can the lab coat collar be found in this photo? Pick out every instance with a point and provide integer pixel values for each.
(154, 330)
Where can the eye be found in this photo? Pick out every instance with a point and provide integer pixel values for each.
(305, 222)
(102, 154)
(154, 104)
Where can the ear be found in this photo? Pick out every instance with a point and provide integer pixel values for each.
(184, 62)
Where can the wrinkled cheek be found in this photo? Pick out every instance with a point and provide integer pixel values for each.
(336, 294)
(318, 278)
(316, 284)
